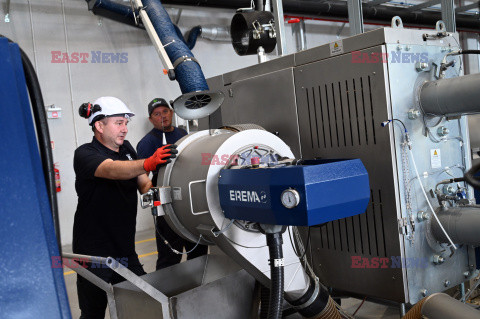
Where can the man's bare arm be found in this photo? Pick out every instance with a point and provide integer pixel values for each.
(120, 170)
(144, 183)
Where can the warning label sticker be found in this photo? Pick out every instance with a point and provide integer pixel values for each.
(336, 47)
(435, 158)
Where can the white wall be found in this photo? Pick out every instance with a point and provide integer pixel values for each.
(43, 26)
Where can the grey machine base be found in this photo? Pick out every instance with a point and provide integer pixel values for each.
(211, 286)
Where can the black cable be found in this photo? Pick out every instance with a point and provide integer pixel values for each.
(404, 127)
(445, 66)
(470, 52)
(43, 135)
(308, 244)
(274, 242)
(293, 244)
(168, 244)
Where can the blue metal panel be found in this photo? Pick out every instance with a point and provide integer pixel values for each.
(29, 286)
(328, 189)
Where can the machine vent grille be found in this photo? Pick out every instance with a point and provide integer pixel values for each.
(361, 234)
(341, 114)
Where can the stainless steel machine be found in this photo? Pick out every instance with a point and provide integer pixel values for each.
(393, 98)
(381, 97)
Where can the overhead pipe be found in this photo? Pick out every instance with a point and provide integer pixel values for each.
(339, 10)
(378, 15)
(112, 10)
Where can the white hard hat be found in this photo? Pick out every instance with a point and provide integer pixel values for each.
(110, 106)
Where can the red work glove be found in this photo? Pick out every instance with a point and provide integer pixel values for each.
(161, 157)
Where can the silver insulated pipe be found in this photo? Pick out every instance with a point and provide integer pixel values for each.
(451, 97)
(461, 223)
(216, 33)
(441, 306)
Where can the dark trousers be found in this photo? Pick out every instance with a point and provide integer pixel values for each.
(93, 300)
(166, 257)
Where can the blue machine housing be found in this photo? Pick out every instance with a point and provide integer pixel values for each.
(30, 285)
(328, 189)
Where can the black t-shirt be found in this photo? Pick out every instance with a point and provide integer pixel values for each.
(107, 209)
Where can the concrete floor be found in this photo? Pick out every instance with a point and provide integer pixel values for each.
(147, 252)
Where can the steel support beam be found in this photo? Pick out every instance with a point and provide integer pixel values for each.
(279, 27)
(355, 16)
(448, 15)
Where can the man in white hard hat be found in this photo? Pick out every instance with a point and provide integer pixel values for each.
(107, 177)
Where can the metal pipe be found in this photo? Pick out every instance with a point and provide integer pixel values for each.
(86, 258)
(443, 306)
(381, 15)
(439, 306)
(216, 33)
(298, 29)
(461, 224)
(339, 10)
(451, 97)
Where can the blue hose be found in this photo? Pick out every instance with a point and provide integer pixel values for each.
(188, 74)
(114, 7)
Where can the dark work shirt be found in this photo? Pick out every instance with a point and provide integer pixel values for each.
(106, 213)
(153, 140)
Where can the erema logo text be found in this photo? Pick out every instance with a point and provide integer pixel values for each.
(247, 196)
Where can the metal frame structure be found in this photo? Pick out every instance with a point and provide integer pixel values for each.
(192, 289)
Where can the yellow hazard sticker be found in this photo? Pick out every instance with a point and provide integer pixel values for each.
(435, 158)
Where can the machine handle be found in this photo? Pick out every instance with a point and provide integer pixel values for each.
(190, 196)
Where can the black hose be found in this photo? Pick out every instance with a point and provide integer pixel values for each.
(470, 52)
(470, 176)
(43, 135)
(264, 301)
(192, 36)
(274, 242)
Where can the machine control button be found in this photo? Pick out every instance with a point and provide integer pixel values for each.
(290, 198)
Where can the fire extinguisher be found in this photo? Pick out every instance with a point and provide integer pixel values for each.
(58, 185)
